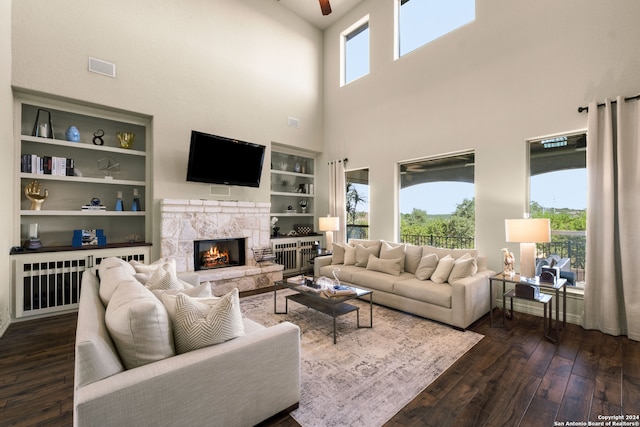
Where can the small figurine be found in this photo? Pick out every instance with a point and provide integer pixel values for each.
(509, 261)
(32, 191)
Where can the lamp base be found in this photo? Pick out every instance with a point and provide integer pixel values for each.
(528, 260)
(32, 244)
(328, 240)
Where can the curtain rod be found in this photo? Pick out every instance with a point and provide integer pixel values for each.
(346, 160)
(631, 98)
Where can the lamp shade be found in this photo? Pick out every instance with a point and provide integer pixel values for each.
(328, 223)
(535, 230)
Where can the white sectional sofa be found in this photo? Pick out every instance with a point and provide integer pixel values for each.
(239, 382)
(447, 285)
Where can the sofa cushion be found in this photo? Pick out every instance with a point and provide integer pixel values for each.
(96, 356)
(443, 269)
(110, 279)
(343, 253)
(389, 266)
(463, 267)
(144, 272)
(349, 255)
(392, 251)
(367, 244)
(427, 266)
(343, 272)
(170, 301)
(111, 262)
(413, 256)
(362, 254)
(139, 325)
(198, 325)
(376, 280)
(426, 291)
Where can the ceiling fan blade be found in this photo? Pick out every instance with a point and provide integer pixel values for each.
(325, 6)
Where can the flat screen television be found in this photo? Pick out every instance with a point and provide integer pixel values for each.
(220, 160)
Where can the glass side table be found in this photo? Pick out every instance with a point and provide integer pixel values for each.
(559, 285)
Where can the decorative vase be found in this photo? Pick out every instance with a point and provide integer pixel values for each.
(126, 139)
(72, 134)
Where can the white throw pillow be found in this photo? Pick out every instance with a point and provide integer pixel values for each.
(427, 266)
(389, 266)
(111, 262)
(139, 325)
(201, 291)
(445, 265)
(463, 267)
(199, 325)
(392, 251)
(163, 280)
(149, 269)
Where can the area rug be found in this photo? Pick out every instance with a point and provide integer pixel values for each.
(370, 374)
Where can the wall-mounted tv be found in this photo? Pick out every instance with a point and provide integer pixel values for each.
(220, 160)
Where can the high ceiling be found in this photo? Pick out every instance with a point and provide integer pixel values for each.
(310, 11)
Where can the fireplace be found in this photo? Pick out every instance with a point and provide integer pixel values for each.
(218, 253)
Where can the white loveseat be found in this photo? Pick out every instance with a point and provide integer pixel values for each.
(447, 285)
(238, 382)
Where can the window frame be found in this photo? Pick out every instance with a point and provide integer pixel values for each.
(356, 28)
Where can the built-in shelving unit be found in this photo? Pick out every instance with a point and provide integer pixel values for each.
(83, 182)
(292, 186)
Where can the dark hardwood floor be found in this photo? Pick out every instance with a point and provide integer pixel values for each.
(513, 377)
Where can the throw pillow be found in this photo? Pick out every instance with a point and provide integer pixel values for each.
(413, 256)
(169, 301)
(362, 254)
(427, 266)
(111, 262)
(443, 269)
(392, 251)
(149, 269)
(389, 266)
(337, 255)
(349, 255)
(163, 280)
(198, 325)
(139, 325)
(463, 267)
(110, 279)
(202, 291)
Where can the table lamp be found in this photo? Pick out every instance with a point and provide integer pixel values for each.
(329, 224)
(527, 232)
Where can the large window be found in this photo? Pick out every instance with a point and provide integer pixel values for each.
(355, 51)
(357, 204)
(558, 190)
(419, 22)
(437, 201)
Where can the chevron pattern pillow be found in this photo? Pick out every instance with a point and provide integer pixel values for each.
(198, 325)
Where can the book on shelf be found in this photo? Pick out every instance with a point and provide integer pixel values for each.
(46, 165)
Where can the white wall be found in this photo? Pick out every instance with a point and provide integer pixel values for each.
(237, 68)
(519, 71)
(6, 162)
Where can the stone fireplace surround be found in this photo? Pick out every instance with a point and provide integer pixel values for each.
(183, 221)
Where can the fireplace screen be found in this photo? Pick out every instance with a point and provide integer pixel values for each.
(218, 253)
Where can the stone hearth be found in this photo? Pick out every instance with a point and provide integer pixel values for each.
(183, 221)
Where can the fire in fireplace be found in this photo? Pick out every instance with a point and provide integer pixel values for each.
(218, 253)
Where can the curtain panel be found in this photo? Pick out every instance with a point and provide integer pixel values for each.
(338, 198)
(612, 291)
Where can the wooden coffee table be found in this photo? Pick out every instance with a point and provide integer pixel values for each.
(334, 306)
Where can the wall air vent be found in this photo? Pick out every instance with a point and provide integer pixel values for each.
(102, 67)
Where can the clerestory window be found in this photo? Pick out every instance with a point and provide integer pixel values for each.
(355, 51)
(419, 22)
